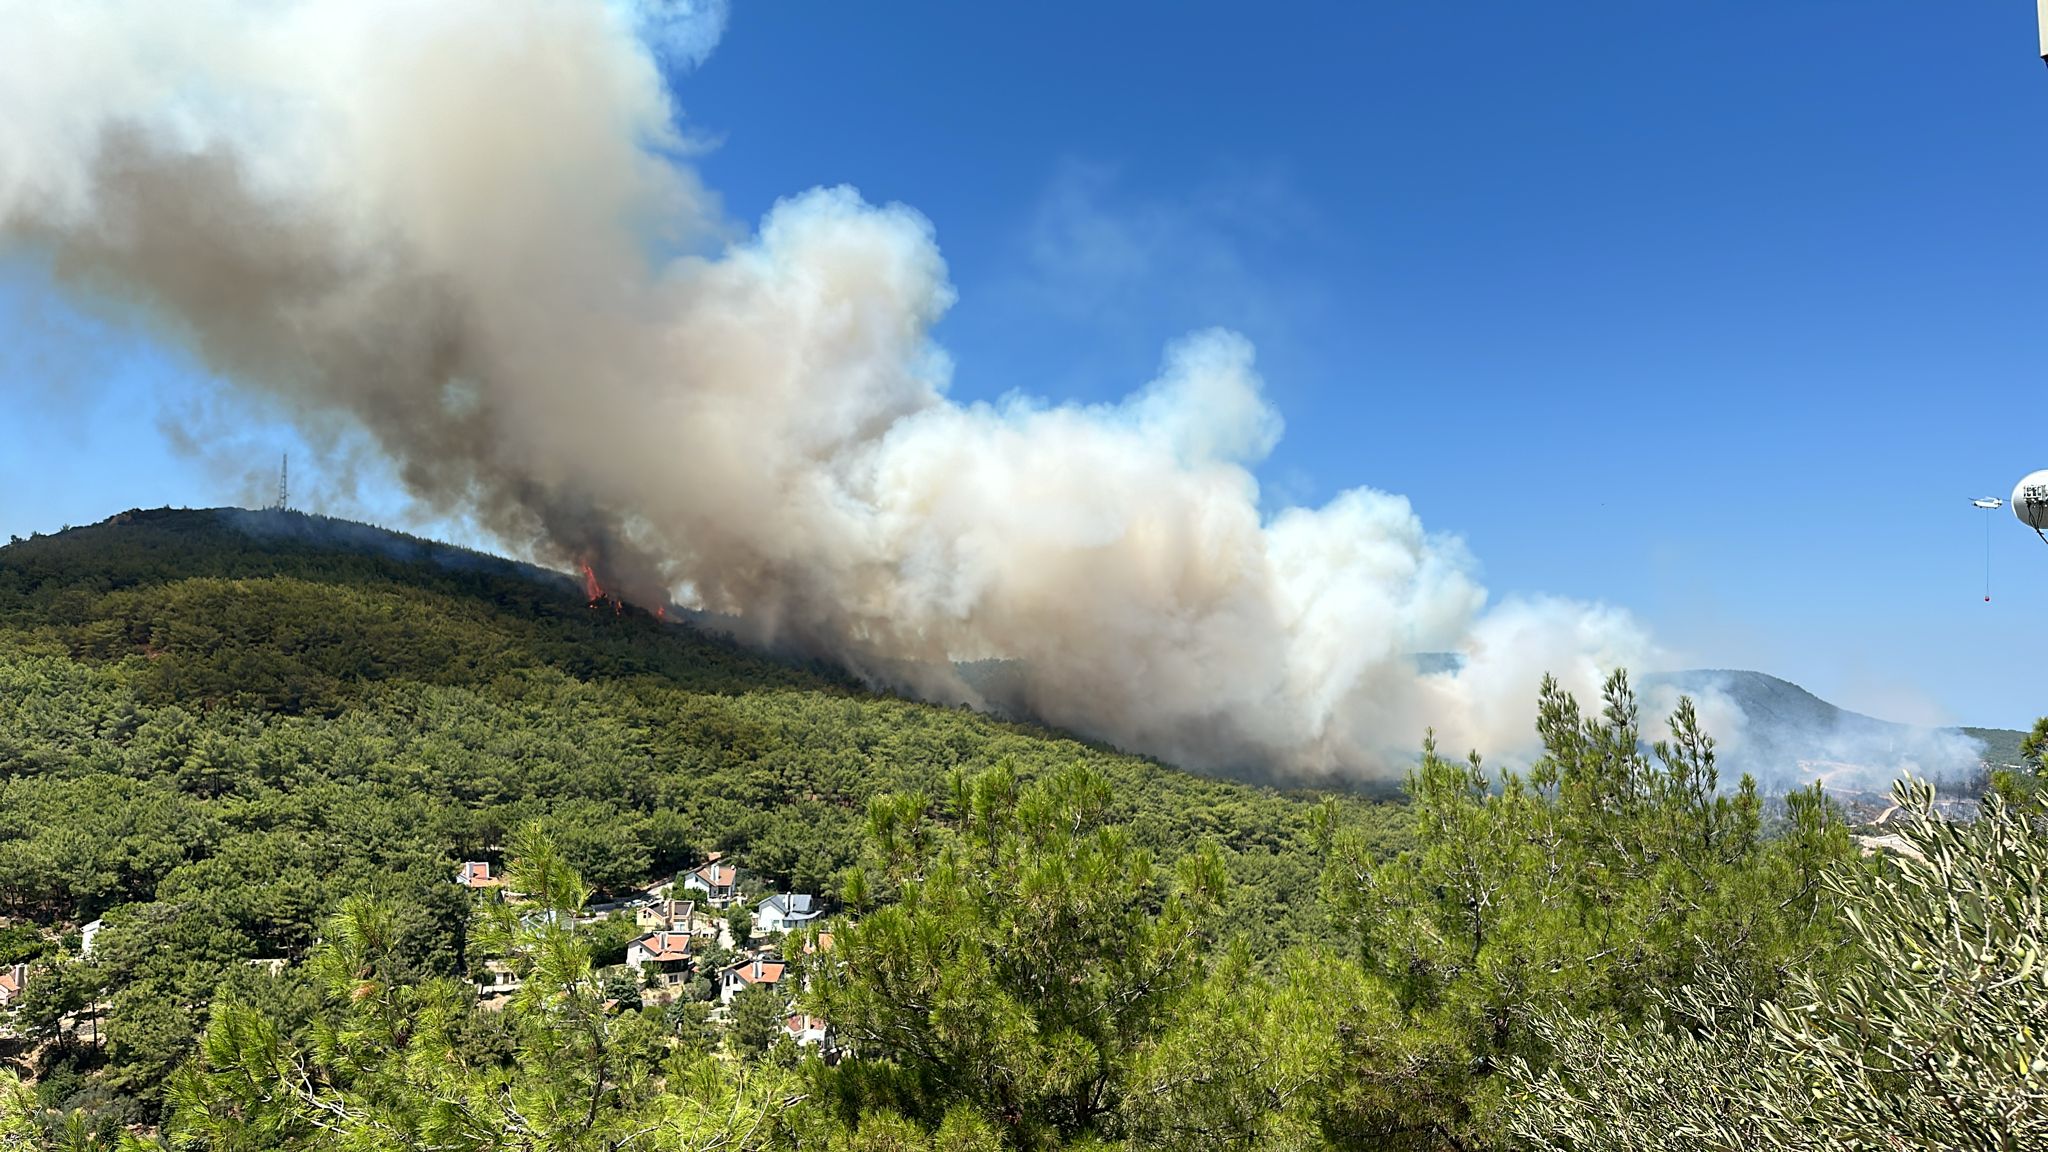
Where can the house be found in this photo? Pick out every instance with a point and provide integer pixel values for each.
(499, 979)
(476, 874)
(664, 955)
(668, 916)
(780, 913)
(87, 933)
(739, 977)
(12, 983)
(808, 1031)
(716, 879)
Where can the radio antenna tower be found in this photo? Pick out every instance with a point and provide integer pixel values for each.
(284, 478)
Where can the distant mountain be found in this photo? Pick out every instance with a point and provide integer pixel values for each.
(1767, 699)
(1769, 727)
(1787, 732)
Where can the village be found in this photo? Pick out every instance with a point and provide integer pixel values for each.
(697, 944)
(704, 937)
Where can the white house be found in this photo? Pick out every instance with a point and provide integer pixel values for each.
(716, 879)
(666, 954)
(748, 974)
(87, 933)
(781, 913)
(499, 978)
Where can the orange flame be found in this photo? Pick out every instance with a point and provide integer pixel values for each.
(594, 593)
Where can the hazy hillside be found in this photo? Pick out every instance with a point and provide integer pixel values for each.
(1788, 732)
(1766, 726)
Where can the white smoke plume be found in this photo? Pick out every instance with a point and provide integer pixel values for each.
(464, 226)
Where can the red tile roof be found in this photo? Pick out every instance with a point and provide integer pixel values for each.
(665, 946)
(760, 971)
(715, 874)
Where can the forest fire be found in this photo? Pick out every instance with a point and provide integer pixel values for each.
(593, 589)
(595, 594)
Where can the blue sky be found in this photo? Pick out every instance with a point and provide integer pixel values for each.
(1719, 313)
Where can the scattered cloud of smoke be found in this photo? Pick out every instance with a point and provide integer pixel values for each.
(1103, 265)
(1094, 247)
(435, 225)
(681, 33)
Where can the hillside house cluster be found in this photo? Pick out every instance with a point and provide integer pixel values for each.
(687, 927)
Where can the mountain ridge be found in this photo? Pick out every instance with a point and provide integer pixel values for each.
(1782, 725)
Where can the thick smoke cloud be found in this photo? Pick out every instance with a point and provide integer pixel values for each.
(462, 226)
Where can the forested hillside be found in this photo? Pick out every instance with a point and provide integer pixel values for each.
(214, 726)
(244, 755)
